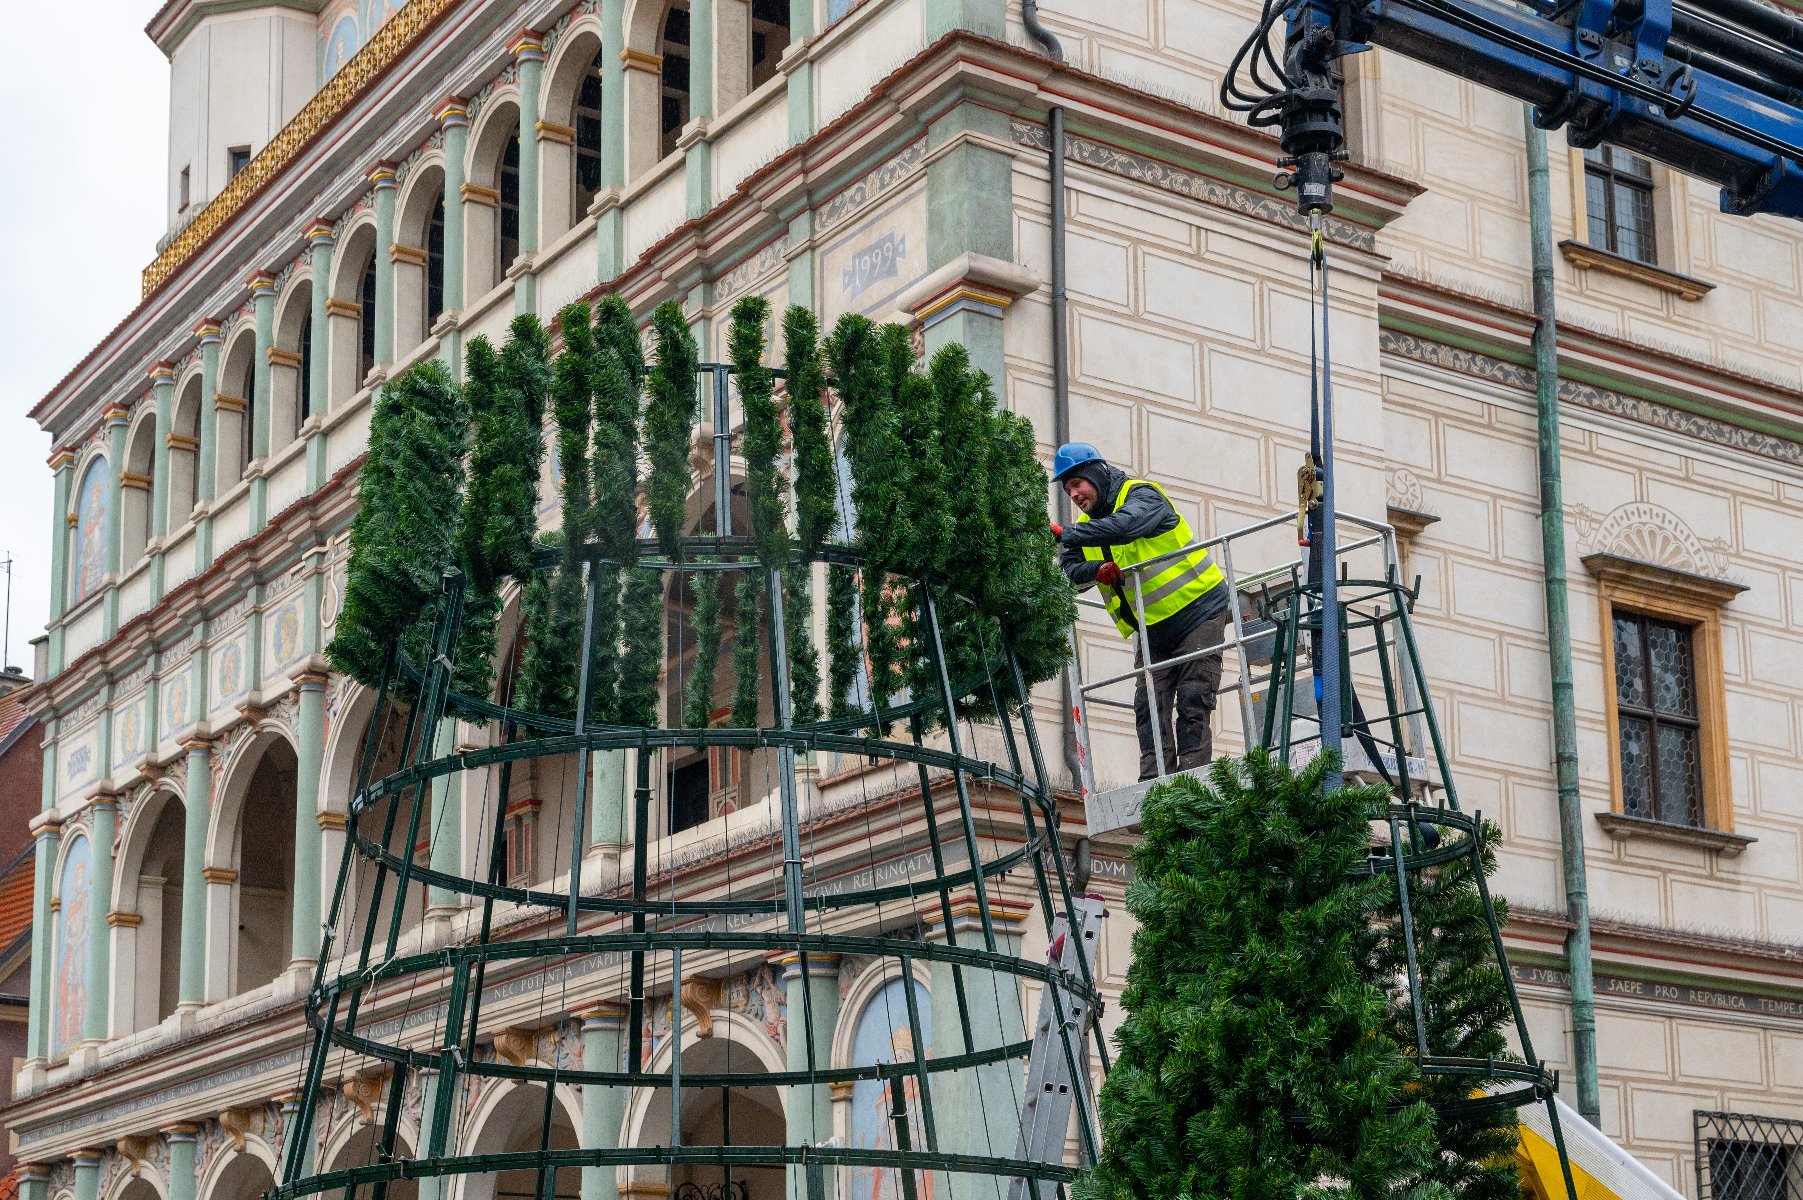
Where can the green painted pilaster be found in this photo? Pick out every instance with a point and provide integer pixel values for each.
(967, 1104)
(698, 155)
(987, 17)
(801, 262)
(809, 1109)
(454, 119)
(305, 930)
(183, 1138)
(162, 395)
(290, 1104)
(47, 829)
(320, 244)
(196, 813)
(969, 211)
(34, 1182)
(116, 422)
(603, 1108)
(445, 852)
(529, 51)
(800, 91)
(607, 802)
(62, 464)
(100, 902)
(206, 458)
(87, 1174)
(262, 295)
(431, 1187)
(383, 179)
(610, 225)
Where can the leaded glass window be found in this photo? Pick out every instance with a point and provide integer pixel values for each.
(1656, 713)
(1618, 198)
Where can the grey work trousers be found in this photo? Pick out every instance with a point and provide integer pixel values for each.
(1189, 689)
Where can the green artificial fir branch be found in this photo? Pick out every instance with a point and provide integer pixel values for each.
(698, 700)
(747, 641)
(572, 399)
(1254, 1062)
(641, 661)
(405, 532)
(1025, 589)
(764, 482)
(798, 632)
(615, 377)
(670, 425)
(816, 481)
(843, 658)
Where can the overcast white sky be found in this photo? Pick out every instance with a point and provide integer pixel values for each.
(83, 147)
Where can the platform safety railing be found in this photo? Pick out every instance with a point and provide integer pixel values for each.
(1249, 641)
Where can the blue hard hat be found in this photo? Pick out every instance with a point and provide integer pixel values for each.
(1072, 455)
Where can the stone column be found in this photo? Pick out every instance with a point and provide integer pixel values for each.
(182, 1138)
(320, 245)
(431, 1187)
(62, 464)
(445, 836)
(304, 932)
(262, 296)
(800, 72)
(698, 161)
(197, 814)
(162, 394)
(529, 52)
(206, 465)
(809, 1110)
(290, 1104)
(100, 903)
(603, 1108)
(454, 119)
(987, 17)
(610, 226)
(383, 178)
(975, 1110)
(969, 212)
(34, 1182)
(116, 419)
(87, 1174)
(46, 830)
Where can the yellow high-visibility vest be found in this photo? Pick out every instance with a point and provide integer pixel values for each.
(1165, 588)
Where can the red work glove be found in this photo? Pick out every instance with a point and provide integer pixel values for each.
(1108, 573)
(1057, 530)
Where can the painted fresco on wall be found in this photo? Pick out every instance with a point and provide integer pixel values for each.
(69, 987)
(129, 730)
(883, 1036)
(79, 757)
(869, 266)
(175, 703)
(91, 504)
(228, 669)
(344, 25)
(284, 634)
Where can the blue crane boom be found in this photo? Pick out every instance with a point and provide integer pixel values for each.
(1713, 88)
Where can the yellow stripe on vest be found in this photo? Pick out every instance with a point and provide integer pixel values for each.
(1166, 587)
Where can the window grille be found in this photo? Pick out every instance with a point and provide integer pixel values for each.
(1618, 198)
(1741, 1156)
(1656, 708)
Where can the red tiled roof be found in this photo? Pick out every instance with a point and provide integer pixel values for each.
(16, 898)
(13, 711)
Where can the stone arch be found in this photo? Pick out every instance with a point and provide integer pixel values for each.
(136, 484)
(250, 897)
(651, 125)
(509, 1117)
(242, 1175)
(148, 881)
(355, 1144)
(235, 409)
(338, 781)
(90, 527)
(183, 491)
(874, 1027)
(418, 256)
(864, 990)
(140, 1184)
(291, 362)
(351, 311)
(570, 173)
(492, 215)
(757, 1114)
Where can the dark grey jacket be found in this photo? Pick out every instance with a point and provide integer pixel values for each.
(1145, 514)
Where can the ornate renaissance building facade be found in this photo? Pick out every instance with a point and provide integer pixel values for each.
(358, 187)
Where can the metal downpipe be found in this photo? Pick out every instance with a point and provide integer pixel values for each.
(1558, 628)
(1061, 393)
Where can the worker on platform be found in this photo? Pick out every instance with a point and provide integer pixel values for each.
(1126, 522)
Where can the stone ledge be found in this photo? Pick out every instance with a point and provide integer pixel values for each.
(1579, 254)
(1623, 827)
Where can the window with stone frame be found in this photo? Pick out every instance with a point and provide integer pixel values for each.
(1665, 700)
(587, 137)
(520, 833)
(1741, 1156)
(769, 38)
(507, 225)
(1618, 203)
(673, 77)
(434, 266)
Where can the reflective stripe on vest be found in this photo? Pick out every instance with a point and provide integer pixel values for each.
(1167, 587)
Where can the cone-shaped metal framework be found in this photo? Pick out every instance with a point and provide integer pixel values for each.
(1391, 739)
(581, 999)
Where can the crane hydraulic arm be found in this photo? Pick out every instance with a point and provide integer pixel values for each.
(1713, 88)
